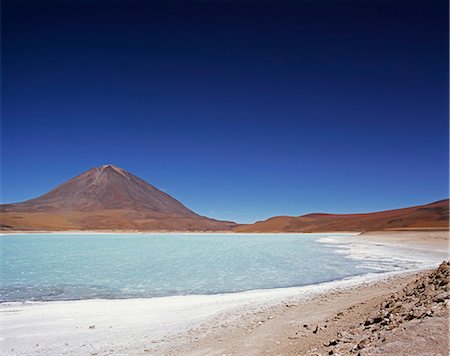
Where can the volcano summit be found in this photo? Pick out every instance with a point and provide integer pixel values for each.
(106, 198)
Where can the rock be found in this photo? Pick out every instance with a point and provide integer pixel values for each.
(423, 298)
(377, 319)
(419, 312)
(441, 297)
(362, 344)
(331, 343)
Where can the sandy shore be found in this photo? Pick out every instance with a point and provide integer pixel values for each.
(277, 321)
(436, 240)
(340, 322)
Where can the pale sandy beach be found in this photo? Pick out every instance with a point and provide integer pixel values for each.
(254, 322)
(436, 240)
(312, 327)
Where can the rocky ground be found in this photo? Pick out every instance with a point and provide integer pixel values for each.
(404, 319)
(402, 315)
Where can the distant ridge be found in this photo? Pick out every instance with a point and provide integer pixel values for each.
(434, 216)
(110, 198)
(106, 198)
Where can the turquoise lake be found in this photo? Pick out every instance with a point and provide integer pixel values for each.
(51, 267)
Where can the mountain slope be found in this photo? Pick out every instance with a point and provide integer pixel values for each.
(106, 197)
(110, 198)
(430, 216)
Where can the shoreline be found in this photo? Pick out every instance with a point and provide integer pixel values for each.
(107, 324)
(114, 232)
(310, 326)
(346, 282)
(343, 243)
(368, 235)
(187, 324)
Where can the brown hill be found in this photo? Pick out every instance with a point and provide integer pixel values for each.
(102, 198)
(110, 198)
(430, 216)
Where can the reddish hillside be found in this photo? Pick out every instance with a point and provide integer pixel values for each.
(110, 198)
(430, 216)
(102, 198)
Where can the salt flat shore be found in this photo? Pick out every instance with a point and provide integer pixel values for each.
(278, 321)
(140, 232)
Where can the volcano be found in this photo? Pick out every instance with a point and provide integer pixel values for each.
(106, 198)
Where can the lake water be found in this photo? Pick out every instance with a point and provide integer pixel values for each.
(42, 267)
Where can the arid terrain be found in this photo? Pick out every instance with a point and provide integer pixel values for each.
(109, 198)
(405, 315)
(434, 216)
(106, 198)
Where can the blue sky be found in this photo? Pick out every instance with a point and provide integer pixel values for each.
(241, 110)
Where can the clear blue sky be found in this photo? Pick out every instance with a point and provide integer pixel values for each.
(241, 110)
